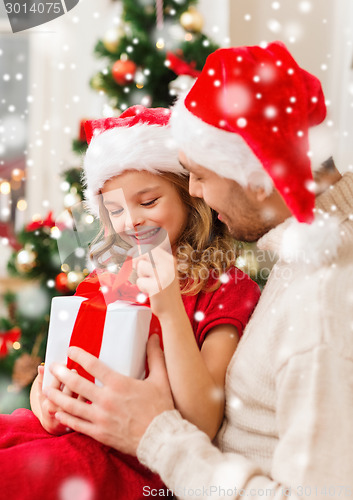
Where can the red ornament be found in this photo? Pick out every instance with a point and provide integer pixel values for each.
(7, 339)
(61, 282)
(123, 71)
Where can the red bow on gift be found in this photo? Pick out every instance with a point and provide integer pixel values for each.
(8, 338)
(101, 290)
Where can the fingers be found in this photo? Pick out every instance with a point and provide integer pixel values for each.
(148, 286)
(65, 389)
(70, 405)
(40, 373)
(92, 365)
(75, 423)
(73, 382)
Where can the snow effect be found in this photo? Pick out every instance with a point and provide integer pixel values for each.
(77, 488)
(199, 315)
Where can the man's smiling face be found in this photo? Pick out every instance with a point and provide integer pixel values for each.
(249, 214)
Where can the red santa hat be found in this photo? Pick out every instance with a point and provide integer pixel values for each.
(247, 118)
(140, 139)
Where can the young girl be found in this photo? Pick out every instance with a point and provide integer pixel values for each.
(140, 192)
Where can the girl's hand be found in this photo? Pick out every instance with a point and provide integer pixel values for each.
(47, 408)
(157, 278)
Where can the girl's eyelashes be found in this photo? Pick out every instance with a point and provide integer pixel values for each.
(149, 203)
(119, 211)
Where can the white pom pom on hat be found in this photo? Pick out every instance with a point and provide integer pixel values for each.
(139, 139)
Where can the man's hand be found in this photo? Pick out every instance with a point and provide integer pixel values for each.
(122, 409)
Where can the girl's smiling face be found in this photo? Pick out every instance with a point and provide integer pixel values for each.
(140, 204)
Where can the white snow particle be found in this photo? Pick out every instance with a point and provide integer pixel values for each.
(270, 111)
(199, 316)
(79, 252)
(63, 315)
(305, 7)
(274, 26)
(141, 298)
(242, 122)
(224, 278)
(76, 487)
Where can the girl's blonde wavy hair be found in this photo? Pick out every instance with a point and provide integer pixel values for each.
(204, 248)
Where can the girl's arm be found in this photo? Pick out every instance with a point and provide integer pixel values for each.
(196, 377)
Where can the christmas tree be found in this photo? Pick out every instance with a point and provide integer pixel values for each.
(153, 51)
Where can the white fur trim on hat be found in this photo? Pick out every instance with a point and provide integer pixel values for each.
(140, 147)
(315, 244)
(225, 153)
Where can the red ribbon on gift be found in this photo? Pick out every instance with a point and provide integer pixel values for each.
(100, 290)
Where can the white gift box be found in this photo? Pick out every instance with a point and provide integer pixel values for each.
(125, 335)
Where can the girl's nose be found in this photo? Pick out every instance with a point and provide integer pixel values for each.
(133, 219)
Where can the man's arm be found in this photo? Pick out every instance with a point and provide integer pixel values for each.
(314, 419)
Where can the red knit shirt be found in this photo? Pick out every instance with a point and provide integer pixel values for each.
(232, 304)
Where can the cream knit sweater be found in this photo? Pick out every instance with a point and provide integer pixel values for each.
(288, 427)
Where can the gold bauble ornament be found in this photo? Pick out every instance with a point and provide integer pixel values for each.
(112, 38)
(192, 20)
(74, 278)
(97, 82)
(25, 260)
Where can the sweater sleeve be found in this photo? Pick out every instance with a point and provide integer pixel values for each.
(314, 455)
(192, 467)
